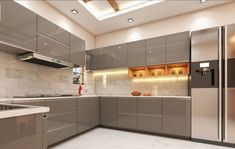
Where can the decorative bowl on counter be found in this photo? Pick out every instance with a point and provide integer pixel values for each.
(136, 93)
(147, 94)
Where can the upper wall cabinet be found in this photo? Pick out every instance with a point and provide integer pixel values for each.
(156, 51)
(53, 41)
(136, 53)
(52, 31)
(77, 50)
(52, 48)
(92, 59)
(178, 47)
(119, 56)
(105, 58)
(17, 25)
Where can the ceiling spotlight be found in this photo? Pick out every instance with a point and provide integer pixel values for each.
(74, 11)
(130, 20)
(203, 1)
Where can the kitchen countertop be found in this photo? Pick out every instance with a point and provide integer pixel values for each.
(27, 110)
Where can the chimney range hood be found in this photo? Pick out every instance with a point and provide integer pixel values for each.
(44, 60)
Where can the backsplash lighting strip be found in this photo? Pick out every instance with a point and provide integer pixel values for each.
(114, 72)
(161, 79)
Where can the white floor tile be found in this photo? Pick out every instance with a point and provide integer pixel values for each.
(101, 138)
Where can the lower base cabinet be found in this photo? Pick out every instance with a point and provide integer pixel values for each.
(176, 117)
(22, 132)
(108, 111)
(127, 112)
(60, 134)
(150, 114)
(88, 113)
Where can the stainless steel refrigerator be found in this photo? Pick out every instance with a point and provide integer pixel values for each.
(213, 84)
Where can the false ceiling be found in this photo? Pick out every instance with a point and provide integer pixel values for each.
(102, 16)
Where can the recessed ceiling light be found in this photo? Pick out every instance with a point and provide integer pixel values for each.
(203, 1)
(74, 11)
(130, 20)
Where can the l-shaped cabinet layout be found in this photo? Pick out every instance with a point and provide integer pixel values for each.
(70, 116)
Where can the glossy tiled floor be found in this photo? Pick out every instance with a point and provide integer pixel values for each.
(113, 139)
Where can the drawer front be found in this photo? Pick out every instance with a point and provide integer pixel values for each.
(61, 105)
(31, 103)
(58, 121)
(61, 134)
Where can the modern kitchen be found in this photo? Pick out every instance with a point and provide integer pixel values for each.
(117, 74)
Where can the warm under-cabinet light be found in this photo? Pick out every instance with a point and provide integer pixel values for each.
(110, 72)
(203, 1)
(161, 79)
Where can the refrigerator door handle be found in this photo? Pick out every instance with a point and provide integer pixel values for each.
(220, 87)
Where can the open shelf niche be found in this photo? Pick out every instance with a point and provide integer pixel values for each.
(159, 70)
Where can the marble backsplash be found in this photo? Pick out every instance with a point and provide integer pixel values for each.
(19, 78)
(122, 85)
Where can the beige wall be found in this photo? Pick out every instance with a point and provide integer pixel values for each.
(216, 16)
(45, 10)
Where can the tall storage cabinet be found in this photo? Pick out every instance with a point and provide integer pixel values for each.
(17, 26)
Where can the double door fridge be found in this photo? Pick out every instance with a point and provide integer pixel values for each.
(213, 84)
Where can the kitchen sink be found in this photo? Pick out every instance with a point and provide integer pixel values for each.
(4, 107)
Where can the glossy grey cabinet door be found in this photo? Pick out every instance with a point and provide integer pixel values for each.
(105, 58)
(127, 112)
(108, 111)
(92, 59)
(61, 134)
(53, 31)
(136, 53)
(156, 51)
(22, 132)
(95, 111)
(150, 114)
(176, 117)
(52, 48)
(58, 106)
(77, 50)
(119, 56)
(17, 25)
(178, 47)
(83, 106)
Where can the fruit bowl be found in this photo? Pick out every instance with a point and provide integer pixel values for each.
(136, 93)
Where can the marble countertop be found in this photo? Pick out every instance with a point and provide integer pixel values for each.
(25, 110)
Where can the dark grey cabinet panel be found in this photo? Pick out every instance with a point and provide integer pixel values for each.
(150, 114)
(23, 132)
(105, 58)
(60, 134)
(77, 50)
(95, 111)
(119, 56)
(17, 25)
(30, 102)
(61, 120)
(136, 53)
(92, 59)
(83, 106)
(108, 111)
(52, 48)
(127, 112)
(156, 51)
(178, 47)
(176, 117)
(58, 106)
(53, 31)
